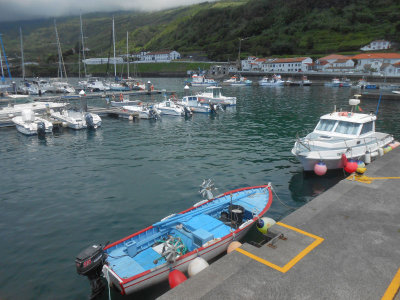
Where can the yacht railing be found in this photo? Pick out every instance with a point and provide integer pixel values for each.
(369, 143)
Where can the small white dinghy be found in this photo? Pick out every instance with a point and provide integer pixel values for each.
(76, 119)
(29, 124)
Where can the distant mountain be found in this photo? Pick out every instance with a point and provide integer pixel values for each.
(267, 27)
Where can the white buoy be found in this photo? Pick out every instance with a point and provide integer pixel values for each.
(367, 157)
(64, 124)
(196, 266)
(82, 93)
(380, 151)
(130, 117)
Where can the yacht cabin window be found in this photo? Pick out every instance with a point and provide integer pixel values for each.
(347, 128)
(325, 125)
(367, 127)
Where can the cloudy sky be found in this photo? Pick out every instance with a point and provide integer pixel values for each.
(13, 10)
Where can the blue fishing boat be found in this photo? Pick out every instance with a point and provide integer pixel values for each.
(204, 230)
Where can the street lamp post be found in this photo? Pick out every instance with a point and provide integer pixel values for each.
(240, 46)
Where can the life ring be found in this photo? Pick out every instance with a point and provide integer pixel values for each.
(121, 97)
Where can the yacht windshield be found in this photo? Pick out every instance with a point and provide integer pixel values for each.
(367, 127)
(347, 128)
(325, 125)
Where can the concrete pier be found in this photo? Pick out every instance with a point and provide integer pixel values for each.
(344, 244)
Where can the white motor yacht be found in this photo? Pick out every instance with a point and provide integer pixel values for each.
(29, 124)
(276, 80)
(168, 107)
(213, 95)
(341, 133)
(195, 106)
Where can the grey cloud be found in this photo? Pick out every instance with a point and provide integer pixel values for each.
(26, 9)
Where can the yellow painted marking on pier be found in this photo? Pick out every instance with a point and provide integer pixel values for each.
(366, 179)
(393, 287)
(261, 260)
(293, 261)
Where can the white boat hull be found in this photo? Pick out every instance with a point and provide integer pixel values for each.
(160, 273)
(333, 158)
(31, 128)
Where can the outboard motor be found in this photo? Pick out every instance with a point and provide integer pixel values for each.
(90, 263)
(41, 128)
(154, 114)
(236, 213)
(188, 112)
(212, 108)
(89, 120)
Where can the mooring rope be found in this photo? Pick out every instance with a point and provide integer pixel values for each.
(284, 204)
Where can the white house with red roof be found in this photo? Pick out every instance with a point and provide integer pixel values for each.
(378, 63)
(247, 63)
(326, 63)
(295, 64)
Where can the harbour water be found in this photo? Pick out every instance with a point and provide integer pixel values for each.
(67, 191)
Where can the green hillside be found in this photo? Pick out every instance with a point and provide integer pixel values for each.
(290, 27)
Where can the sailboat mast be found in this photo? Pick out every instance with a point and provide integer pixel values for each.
(79, 61)
(60, 73)
(115, 65)
(127, 51)
(1, 66)
(22, 55)
(83, 46)
(5, 59)
(61, 65)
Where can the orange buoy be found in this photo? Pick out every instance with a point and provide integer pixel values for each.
(175, 278)
(232, 246)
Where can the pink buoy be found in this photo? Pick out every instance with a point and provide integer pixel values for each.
(351, 166)
(320, 168)
(394, 144)
(175, 278)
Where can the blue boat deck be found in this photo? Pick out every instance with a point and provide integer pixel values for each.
(193, 228)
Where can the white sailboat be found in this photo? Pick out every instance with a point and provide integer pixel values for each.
(60, 85)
